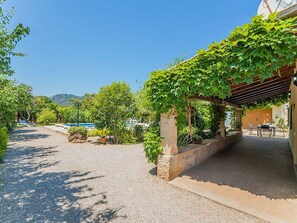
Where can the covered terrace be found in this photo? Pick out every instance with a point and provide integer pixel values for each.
(256, 63)
(175, 161)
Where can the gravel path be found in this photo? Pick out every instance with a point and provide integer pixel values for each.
(46, 179)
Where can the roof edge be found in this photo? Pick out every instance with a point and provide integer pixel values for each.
(288, 12)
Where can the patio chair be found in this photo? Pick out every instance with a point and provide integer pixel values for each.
(251, 128)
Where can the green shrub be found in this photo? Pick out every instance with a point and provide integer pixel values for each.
(3, 142)
(94, 132)
(46, 116)
(152, 144)
(138, 130)
(82, 130)
(126, 136)
(99, 132)
(105, 132)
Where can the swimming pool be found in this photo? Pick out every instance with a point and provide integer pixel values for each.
(87, 125)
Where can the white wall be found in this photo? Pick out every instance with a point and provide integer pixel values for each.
(280, 112)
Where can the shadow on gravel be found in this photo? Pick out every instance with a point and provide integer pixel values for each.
(28, 194)
(22, 135)
(24, 130)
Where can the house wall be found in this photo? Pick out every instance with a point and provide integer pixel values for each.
(228, 120)
(293, 129)
(280, 112)
(257, 117)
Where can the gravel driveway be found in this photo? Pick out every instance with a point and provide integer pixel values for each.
(46, 179)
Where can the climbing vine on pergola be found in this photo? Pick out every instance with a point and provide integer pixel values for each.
(255, 49)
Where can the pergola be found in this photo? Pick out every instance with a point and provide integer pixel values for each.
(171, 163)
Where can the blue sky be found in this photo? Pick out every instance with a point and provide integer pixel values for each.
(78, 46)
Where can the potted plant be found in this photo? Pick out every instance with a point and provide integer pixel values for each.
(103, 133)
(197, 139)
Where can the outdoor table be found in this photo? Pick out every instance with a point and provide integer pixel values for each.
(264, 127)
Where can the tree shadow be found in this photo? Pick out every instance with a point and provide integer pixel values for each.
(31, 193)
(261, 166)
(24, 130)
(26, 135)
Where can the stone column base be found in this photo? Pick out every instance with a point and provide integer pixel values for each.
(167, 167)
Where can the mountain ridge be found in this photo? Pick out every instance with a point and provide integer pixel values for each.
(64, 99)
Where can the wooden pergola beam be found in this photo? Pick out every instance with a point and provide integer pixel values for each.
(280, 89)
(252, 86)
(215, 101)
(260, 97)
(260, 91)
(285, 71)
(263, 88)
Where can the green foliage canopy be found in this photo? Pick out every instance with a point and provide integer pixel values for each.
(9, 40)
(258, 48)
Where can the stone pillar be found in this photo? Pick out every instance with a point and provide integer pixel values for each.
(169, 134)
(167, 162)
(222, 127)
(238, 118)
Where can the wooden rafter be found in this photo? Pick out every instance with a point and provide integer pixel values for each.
(245, 93)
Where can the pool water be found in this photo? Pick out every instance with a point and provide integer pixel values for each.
(87, 125)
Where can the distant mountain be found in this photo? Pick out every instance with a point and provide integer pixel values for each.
(64, 99)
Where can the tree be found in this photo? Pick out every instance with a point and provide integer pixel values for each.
(76, 104)
(38, 104)
(64, 113)
(88, 101)
(46, 116)
(145, 112)
(9, 40)
(14, 97)
(114, 104)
